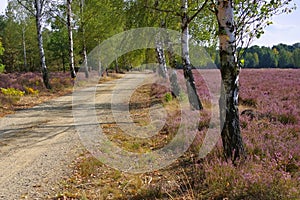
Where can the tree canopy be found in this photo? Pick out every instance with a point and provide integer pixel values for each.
(18, 31)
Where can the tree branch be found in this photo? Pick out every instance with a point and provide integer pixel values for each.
(164, 10)
(198, 11)
(54, 15)
(26, 8)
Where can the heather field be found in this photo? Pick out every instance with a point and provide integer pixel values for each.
(270, 121)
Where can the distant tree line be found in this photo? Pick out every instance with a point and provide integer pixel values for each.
(278, 56)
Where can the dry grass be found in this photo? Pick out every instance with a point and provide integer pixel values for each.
(110, 77)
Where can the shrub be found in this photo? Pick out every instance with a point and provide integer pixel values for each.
(12, 92)
(248, 102)
(30, 90)
(287, 119)
(2, 68)
(168, 97)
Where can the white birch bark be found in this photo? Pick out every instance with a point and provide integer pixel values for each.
(187, 67)
(162, 70)
(38, 16)
(70, 34)
(85, 59)
(231, 134)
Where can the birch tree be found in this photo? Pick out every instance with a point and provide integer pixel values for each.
(187, 65)
(231, 134)
(239, 22)
(162, 69)
(82, 28)
(70, 34)
(62, 14)
(185, 19)
(39, 6)
(38, 12)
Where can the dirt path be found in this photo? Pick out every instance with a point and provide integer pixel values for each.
(38, 145)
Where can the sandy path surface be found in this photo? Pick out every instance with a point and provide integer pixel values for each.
(38, 145)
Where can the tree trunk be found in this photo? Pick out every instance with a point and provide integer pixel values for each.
(38, 17)
(85, 61)
(71, 44)
(64, 64)
(172, 61)
(162, 69)
(86, 68)
(99, 68)
(171, 54)
(117, 64)
(231, 133)
(174, 83)
(187, 66)
(24, 49)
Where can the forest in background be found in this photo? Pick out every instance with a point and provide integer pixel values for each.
(93, 24)
(279, 56)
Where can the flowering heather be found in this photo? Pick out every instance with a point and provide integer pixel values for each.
(31, 84)
(270, 124)
(34, 80)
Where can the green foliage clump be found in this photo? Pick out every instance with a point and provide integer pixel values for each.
(168, 97)
(2, 68)
(183, 97)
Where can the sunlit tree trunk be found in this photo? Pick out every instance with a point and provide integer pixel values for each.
(100, 70)
(162, 69)
(38, 17)
(231, 134)
(24, 49)
(85, 61)
(70, 33)
(187, 66)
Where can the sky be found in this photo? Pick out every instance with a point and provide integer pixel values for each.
(285, 28)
